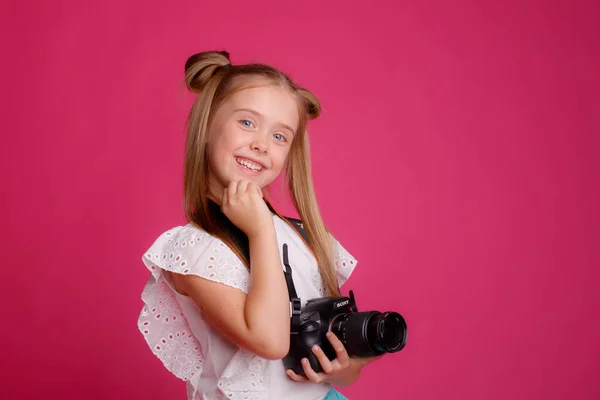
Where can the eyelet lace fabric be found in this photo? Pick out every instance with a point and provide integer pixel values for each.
(167, 333)
(343, 261)
(243, 378)
(344, 264)
(162, 322)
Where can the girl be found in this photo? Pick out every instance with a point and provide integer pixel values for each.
(216, 319)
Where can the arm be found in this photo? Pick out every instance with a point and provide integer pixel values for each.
(267, 309)
(259, 321)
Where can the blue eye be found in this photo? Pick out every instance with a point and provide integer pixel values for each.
(246, 123)
(279, 136)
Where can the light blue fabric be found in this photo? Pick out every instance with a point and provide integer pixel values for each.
(334, 395)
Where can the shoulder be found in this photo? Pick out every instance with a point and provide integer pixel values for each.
(344, 262)
(173, 248)
(188, 250)
(297, 226)
(182, 236)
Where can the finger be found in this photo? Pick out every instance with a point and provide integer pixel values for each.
(295, 377)
(252, 188)
(232, 190)
(242, 186)
(309, 372)
(323, 360)
(341, 354)
(260, 192)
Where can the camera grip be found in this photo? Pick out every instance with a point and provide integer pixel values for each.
(327, 348)
(301, 347)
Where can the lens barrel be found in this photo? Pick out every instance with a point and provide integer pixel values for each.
(370, 333)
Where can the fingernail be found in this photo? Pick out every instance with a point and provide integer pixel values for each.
(315, 348)
(328, 334)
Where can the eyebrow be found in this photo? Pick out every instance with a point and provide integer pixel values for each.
(251, 111)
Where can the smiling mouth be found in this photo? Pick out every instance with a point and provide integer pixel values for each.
(252, 166)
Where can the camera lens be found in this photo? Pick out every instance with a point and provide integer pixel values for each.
(370, 333)
(386, 332)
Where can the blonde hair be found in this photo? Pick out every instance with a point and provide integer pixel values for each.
(212, 76)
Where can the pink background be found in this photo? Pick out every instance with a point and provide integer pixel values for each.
(455, 158)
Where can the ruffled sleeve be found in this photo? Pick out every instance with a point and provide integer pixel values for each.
(183, 250)
(188, 250)
(344, 262)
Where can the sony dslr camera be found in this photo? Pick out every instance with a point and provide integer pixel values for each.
(364, 334)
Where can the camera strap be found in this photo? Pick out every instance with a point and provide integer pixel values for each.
(295, 302)
(299, 227)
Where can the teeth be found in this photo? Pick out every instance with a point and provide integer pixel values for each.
(249, 164)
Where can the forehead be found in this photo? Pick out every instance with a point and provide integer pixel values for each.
(274, 103)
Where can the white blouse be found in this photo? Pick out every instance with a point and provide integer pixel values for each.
(212, 366)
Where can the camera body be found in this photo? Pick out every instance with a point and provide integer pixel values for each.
(363, 334)
(315, 320)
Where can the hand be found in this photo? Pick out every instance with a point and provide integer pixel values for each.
(242, 202)
(342, 371)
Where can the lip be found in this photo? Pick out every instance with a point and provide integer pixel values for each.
(253, 160)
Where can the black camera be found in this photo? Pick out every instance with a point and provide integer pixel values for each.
(364, 334)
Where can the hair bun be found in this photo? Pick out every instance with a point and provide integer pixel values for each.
(311, 102)
(201, 67)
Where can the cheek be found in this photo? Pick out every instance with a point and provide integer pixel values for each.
(220, 146)
(280, 158)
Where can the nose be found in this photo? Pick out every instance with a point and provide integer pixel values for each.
(259, 144)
